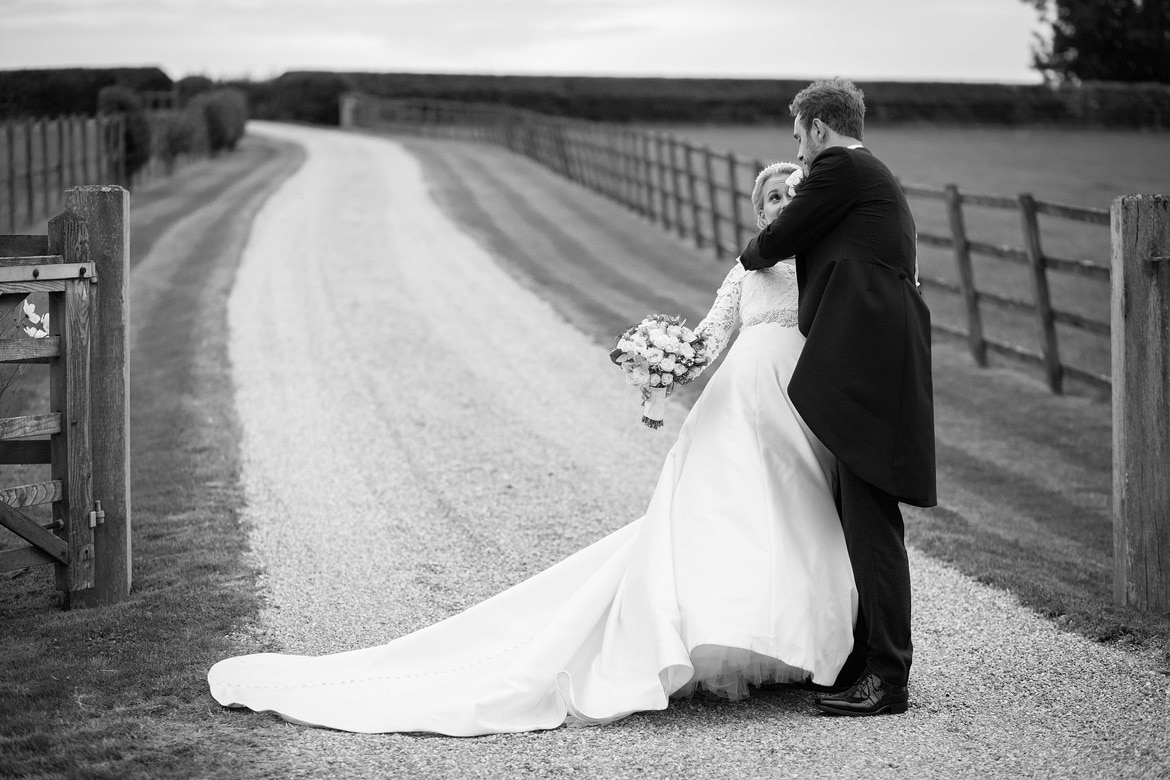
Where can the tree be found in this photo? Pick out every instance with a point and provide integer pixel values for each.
(1104, 40)
(122, 100)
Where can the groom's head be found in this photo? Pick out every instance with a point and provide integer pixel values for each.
(828, 113)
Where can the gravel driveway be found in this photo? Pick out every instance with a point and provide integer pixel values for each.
(421, 431)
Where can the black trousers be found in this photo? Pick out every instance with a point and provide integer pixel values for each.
(875, 538)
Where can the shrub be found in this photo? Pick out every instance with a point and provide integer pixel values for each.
(122, 100)
(190, 86)
(226, 114)
(178, 133)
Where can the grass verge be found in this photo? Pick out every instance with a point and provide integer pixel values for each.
(120, 691)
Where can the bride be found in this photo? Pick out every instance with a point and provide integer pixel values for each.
(737, 575)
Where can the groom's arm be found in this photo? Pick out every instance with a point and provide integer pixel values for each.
(821, 201)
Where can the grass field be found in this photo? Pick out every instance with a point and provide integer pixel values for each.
(1087, 168)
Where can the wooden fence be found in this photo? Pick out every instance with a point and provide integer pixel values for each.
(703, 196)
(41, 158)
(81, 266)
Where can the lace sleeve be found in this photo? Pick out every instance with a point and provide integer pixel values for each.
(717, 327)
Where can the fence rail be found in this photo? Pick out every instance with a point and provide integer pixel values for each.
(702, 195)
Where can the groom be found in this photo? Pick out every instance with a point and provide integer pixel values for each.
(862, 383)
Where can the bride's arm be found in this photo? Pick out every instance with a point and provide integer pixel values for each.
(716, 328)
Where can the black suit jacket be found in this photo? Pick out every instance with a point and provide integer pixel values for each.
(863, 382)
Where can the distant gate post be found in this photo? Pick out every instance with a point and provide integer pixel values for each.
(1140, 226)
(106, 210)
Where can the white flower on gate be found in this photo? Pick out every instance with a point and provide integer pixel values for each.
(30, 314)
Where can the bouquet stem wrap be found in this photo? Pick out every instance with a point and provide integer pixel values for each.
(654, 408)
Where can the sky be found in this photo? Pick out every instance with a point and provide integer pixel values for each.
(937, 40)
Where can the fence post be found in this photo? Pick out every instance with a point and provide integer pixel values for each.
(30, 193)
(713, 202)
(962, 250)
(46, 187)
(663, 195)
(737, 227)
(10, 144)
(693, 188)
(676, 187)
(105, 210)
(1140, 334)
(1040, 294)
(69, 394)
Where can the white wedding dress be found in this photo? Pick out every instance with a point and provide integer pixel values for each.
(736, 575)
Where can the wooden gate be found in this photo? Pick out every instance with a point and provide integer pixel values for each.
(67, 265)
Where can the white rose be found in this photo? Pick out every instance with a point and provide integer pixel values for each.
(680, 369)
(667, 363)
(654, 356)
(660, 340)
(667, 379)
(687, 351)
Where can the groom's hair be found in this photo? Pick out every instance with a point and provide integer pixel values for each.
(836, 102)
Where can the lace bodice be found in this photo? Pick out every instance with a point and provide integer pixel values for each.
(749, 298)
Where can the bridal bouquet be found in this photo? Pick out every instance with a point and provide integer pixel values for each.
(657, 354)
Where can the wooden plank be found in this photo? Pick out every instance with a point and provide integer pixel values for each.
(1005, 302)
(69, 389)
(967, 288)
(923, 191)
(42, 259)
(29, 181)
(739, 230)
(930, 239)
(663, 194)
(950, 330)
(676, 185)
(32, 533)
(28, 273)
(999, 250)
(24, 558)
(990, 201)
(1015, 351)
(106, 211)
(30, 425)
(941, 284)
(10, 145)
(1089, 377)
(24, 452)
(1076, 213)
(1140, 232)
(23, 349)
(1089, 324)
(1079, 268)
(32, 495)
(713, 202)
(25, 288)
(24, 245)
(1046, 327)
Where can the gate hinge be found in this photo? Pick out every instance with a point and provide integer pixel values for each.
(98, 515)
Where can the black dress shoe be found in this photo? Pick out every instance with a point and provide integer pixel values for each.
(871, 695)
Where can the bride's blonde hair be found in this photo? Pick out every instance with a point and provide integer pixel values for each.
(782, 169)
